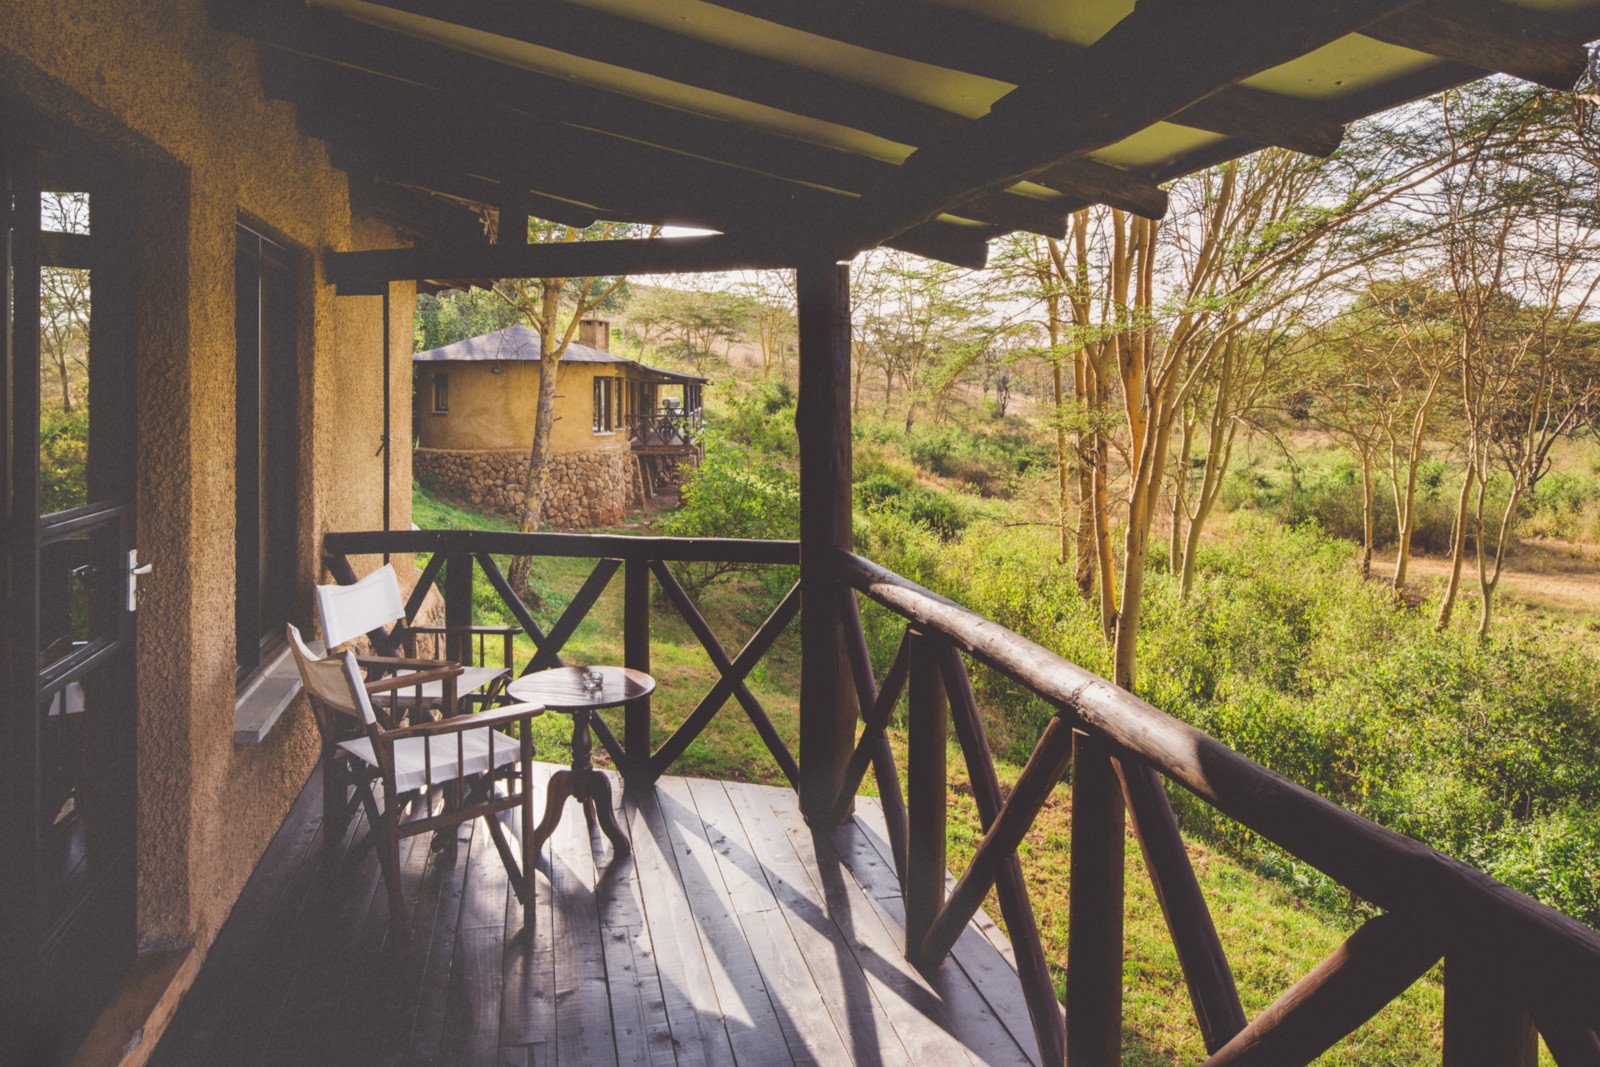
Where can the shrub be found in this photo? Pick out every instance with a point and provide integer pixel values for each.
(735, 492)
(63, 459)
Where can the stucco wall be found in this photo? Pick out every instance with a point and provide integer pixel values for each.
(182, 102)
(494, 412)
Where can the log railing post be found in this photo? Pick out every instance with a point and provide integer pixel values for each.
(636, 654)
(458, 606)
(927, 719)
(822, 421)
(1094, 910)
(1483, 1023)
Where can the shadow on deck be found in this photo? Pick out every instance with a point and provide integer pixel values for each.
(733, 934)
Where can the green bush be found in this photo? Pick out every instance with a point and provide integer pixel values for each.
(1490, 752)
(735, 492)
(63, 459)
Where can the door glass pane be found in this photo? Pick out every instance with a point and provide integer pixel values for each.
(64, 290)
(85, 738)
(79, 585)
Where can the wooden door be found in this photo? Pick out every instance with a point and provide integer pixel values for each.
(70, 691)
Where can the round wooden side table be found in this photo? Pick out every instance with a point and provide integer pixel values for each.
(561, 689)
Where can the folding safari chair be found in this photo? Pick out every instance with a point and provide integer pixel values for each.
(469, 755)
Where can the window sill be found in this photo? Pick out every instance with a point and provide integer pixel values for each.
(262, 704)
(603, 433)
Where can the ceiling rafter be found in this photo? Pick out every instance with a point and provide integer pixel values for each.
(1162, 57)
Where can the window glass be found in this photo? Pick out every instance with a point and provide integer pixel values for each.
(441, 393)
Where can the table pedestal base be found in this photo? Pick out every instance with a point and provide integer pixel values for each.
(584, 784)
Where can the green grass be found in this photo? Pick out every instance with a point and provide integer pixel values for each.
(1272, 938)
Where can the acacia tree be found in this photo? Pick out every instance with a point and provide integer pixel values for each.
(1522, 256)
(554, 307)
(64, 298)
(771, 303)
(915, 323)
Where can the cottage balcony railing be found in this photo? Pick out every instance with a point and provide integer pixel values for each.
(665, 430)
(1513, 967)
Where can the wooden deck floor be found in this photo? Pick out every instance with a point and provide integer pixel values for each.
(732, 935)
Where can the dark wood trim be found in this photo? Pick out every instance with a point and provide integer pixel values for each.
(570, 546)
(1555, 959)
(1485, 1021)
(1016, 907)
(635, 654)
(927, 782)
(822, 419)
(1212, 990)
(1376, 964)
(719, 659)
(1149, 66)
(1095, 908)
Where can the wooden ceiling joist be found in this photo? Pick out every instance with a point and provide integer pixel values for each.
(1161, 58)
(947, 37)
(1482, 34)
(328, 96)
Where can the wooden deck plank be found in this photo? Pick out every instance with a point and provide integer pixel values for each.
(638, 1007)
(477, 974)
(853, 1003)
(527, 1000)
(748, 1014)
(807, 1027)
(584, 1034)
(982, 951)
(731, 936)
(692, 1009)
(925, 1020)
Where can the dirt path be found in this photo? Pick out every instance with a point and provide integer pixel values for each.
(1559, 576)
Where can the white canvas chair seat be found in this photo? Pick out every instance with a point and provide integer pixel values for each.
(412, 765)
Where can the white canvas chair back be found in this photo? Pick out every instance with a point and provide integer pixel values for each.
(348, 611)
(334, 681)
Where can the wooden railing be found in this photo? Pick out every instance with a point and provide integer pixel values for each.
(1511, 963)
(668, 429)
(456, 554)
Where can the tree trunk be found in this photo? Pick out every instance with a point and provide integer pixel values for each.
(1366, 515)
(1085, 563)
(532, 513)
(1458, 550)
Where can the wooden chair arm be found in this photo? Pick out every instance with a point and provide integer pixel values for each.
(460, 723)
(410, 681)
(498, 630)
(386, 663)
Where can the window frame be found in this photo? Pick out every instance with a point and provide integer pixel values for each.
(267, 445)
(441, 396)
(603, 421)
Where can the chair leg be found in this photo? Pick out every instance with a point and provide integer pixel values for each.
(335, 806)
(389, 857)
(530, 855)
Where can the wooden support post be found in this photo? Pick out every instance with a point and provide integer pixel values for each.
(636, 654)
(1483, 1023)
(927, 720)
(458, 605)
(1094, 921)
(822, 420)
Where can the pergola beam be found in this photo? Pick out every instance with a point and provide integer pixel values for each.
(1161, 58)
(357, 272)
(947, 37)
(1491, 36)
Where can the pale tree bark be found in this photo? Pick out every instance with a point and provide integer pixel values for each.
(540, 302)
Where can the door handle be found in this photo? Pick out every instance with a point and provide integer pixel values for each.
(135, 571)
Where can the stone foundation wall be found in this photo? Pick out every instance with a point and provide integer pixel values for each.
(585, 489)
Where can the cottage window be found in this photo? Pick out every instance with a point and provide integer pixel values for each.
(441, 394)
(603, 391)
(266, 351)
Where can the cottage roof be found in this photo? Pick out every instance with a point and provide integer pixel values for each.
(805, 132)
(519, 344)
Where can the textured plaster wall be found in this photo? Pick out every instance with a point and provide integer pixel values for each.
(494, 412)
(182, 103)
